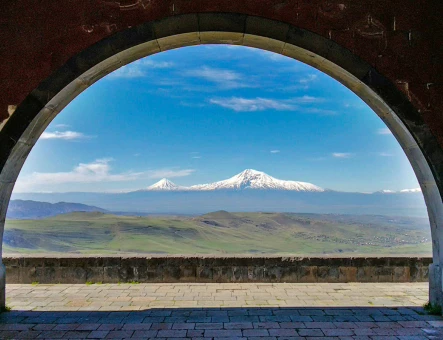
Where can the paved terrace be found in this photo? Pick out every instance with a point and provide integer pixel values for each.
(215, 311)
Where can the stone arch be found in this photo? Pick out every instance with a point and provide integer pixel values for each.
(28, 120)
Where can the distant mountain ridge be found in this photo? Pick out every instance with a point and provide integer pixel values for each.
(27, 209)
(247, 179)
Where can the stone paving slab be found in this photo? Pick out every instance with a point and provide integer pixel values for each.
(360, 311)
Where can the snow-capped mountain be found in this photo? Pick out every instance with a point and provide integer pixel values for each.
(163, 185)
(253, 179)
(247, 179)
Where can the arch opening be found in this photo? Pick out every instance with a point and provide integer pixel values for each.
(33, 116)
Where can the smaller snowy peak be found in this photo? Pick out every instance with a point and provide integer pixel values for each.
(410, 190)
(386, 192)
(163, 184)
(404, 191)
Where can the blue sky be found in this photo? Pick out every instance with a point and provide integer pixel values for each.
(204, 113)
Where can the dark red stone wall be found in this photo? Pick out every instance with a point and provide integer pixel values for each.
(402, 39)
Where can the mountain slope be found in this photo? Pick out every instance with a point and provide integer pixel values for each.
(25, 209)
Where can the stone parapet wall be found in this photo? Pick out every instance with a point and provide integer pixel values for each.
(215, 269)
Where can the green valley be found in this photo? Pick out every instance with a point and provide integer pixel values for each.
(220, 233)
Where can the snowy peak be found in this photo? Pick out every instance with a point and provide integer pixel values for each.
(253, 179)
(404, 191)
(163, 184)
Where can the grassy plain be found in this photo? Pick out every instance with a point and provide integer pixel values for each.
(220, 233)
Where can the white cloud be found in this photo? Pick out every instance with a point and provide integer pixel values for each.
(224, 78)
(250, 105)
(128, 71)
(308, 79)
(61, 126)
(169, 173)
(320, 111)
(342, 155)
(240, 104)
(155, 64)
(196, 157)
(384, 131)
(274, 151)
(306, 100)
(94, 172)
(139, 68)
(385, 154)
(66, 135)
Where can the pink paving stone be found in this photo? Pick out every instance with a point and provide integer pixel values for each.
(283, 332)
(255, 332)
(43, 327)
(88, 326)
(183, 325)
(195, 333)
(413, 323)
(266, 325)
(344, 324)
(223, 333)
(161, 326)
(237, 325)
(436, 323)
(364, 331)
(144, 334)
(292, 325)
(320, 325)
(338, 332)
(65, 327)
(171, 333)
(98, 334)
(409, 331)
(209, 325)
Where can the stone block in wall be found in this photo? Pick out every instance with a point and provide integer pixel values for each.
(222, 274)
(256, 273)
(27, 275)
(401, 274)
(72, 275)
(111, 274)
(347, 274)
(419, 273)
(273, 273)
(187, 273)
(307, 274)
(289, 274)
(47, 274)
(171, 273)
(12, 274)
(324, 274)
(238, 274)
(367, 274)
(385, 274)
(94, 274)
(204, 274)
(127, 273)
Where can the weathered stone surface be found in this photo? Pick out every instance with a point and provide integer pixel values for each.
(215, 269)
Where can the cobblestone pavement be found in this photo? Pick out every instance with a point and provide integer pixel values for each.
(360, 311)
